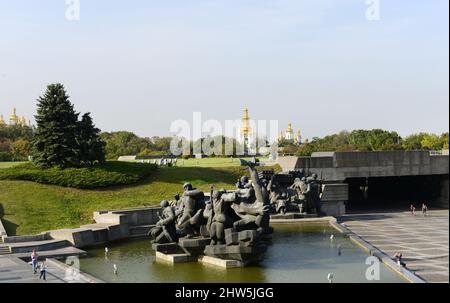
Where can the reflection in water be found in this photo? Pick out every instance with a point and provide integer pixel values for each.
(297, 253)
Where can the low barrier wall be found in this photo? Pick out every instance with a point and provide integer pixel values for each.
(2, 230)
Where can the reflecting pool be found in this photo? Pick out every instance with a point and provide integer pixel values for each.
(298, 253)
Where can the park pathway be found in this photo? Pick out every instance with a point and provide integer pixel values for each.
(424, 241)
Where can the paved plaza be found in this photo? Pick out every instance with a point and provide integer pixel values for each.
(422, 240)
(14, 270)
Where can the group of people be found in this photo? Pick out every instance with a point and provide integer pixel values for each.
(41, 267)
(412, 209)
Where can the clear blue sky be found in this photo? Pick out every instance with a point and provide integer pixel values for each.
(138, 65)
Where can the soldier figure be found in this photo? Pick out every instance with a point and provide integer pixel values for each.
(191, 210)
(165, 231)
(301, 187)
(220, 219)
(313, 194)
(245, 190)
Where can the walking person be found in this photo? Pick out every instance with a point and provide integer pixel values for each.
(43, 270)
(398, 257)
(424, 209)
(34, 260)
(412, 209)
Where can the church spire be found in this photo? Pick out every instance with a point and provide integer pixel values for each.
(13, 119)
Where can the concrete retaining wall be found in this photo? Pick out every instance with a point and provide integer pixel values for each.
(110, 226)
(133, 217)
(2, 230)
(334, 197)
(19, 239)
(443, 200)
(339, 166)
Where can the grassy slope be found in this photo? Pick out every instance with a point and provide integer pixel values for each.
(30, 207)
(111, 173)
(9, 164)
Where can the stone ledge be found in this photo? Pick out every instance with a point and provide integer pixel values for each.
(174, 258)
(65, 267)
(220, 262)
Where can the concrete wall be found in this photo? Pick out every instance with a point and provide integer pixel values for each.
(2, 230)
(334, 197)
(132, 217)
(287, 163)
(19, 239)
(443, 200)
(110, 226)
(343, 165)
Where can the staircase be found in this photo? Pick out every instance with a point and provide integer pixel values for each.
(4, 250)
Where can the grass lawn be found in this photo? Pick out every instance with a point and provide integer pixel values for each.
(28, 207)
(9, 164)
(212, 162)
(111, 173)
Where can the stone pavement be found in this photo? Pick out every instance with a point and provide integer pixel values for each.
(14, 270)
(423, 241)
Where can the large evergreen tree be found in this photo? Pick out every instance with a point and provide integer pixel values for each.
(92, 148)
(55, 141)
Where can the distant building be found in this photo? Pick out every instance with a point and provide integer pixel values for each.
(290, 135)
(14, 119)
(246, 134)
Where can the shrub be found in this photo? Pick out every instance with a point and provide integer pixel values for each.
(5, 157)
(101, 175)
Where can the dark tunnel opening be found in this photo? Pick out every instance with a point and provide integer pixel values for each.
(392, 193)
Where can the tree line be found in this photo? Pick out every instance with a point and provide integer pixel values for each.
(61, 138)
(368, 140)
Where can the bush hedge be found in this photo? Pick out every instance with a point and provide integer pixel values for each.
(5, 157)
(110, 173)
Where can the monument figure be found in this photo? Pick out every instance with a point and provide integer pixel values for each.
(220, 217)
(165, 230)
(191, 210)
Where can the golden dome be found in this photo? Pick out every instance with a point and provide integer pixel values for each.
(14, 119)
(245, 129)
(290, 130)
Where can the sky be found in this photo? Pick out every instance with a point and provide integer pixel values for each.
(323, 65)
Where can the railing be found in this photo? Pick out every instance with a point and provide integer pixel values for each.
(444, 152)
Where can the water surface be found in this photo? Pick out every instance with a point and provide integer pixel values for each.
(299, 253)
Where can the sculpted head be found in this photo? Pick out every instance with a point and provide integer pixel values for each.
(187, 186)
(164, 203)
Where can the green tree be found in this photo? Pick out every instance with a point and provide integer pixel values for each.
(55, 143)
(21, 148)
(123, 143)
(413, 142)
(92, 148)
(431, 142)
(444, 140)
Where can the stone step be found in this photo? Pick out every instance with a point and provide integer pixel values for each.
(5, 250)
